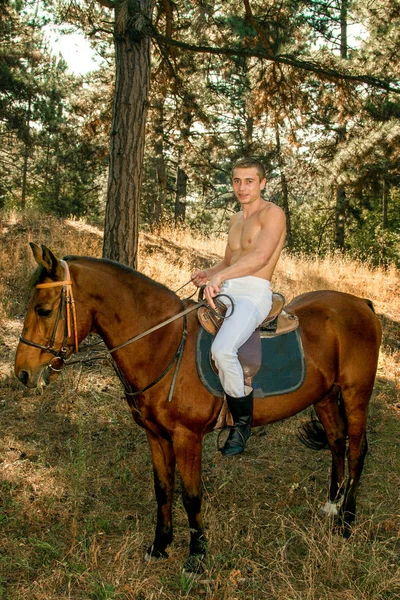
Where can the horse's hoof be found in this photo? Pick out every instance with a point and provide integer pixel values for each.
(346, 532)
(153, 554)
(342, 529)
(194, 565)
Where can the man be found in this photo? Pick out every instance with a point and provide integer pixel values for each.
(255, 239)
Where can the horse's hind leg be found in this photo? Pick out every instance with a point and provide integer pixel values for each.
(356, 405)
(333, 421)
(188, 450)
(163, 457)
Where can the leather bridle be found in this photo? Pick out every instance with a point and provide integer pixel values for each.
(66, 312)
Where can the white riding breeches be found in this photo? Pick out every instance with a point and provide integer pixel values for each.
(252, 299)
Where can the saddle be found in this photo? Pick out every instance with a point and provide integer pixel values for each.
(278, 322)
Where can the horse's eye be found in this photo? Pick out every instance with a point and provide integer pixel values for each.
(44, 312)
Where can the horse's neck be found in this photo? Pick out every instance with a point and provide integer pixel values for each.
(124, 304)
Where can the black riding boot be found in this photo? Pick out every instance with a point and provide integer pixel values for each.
(242, 413)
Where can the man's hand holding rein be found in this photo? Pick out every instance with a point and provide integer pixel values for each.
(213, 287)
(199, 277)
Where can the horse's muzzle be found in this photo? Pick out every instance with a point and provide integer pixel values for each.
(23, 376)
(34, 380)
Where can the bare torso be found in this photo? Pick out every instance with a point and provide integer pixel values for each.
(243, 235)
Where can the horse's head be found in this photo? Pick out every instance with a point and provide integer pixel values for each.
(49, 329)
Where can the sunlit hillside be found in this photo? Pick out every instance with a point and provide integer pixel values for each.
(77, 505)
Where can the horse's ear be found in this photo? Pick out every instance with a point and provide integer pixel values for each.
(37, 252)
(46, 258)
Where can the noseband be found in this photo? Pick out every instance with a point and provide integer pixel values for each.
(66, 312)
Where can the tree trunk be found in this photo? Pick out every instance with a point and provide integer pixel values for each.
(340, 216)
(341, 196)
(385, 196)
(343, 28)
(132, 83)
(162, 179)
(284, 190)
(181, 175)
(27, 151)
(24, 176)
(180, 199)
(249, 135)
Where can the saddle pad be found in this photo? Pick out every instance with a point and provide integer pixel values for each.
(282, 370)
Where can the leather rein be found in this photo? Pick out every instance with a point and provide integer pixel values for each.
(67, 313)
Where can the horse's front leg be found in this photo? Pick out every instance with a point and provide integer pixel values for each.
(163, 457)
(188, 450)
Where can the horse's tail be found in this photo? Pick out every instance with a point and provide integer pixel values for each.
(313, 435)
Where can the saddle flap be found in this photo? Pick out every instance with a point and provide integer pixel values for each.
(250, 355)
(209, 319)
(284, 323)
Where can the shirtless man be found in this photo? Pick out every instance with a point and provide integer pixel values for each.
(255, 240)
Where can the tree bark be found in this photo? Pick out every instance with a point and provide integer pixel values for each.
(181, 175)
(341, 196)
(385, 196)
(284, 190)
(132, 83)
(27, 151)
(180, 198)
(161, 170)
(340, 216)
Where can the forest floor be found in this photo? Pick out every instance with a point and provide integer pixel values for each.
(77, 506)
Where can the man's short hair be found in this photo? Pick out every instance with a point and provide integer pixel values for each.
(248, 163)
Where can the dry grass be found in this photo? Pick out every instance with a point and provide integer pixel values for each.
(77, 505)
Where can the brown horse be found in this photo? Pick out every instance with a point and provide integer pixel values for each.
(340, 335)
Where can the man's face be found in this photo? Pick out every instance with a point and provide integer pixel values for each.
(247, 186)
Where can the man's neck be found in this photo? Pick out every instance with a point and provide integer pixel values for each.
(249, 210)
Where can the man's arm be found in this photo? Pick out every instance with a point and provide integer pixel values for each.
(201, 277)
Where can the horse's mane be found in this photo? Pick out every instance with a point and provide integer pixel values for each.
(119, 267)
(112, 263)
(38, 276)
(41, 273)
